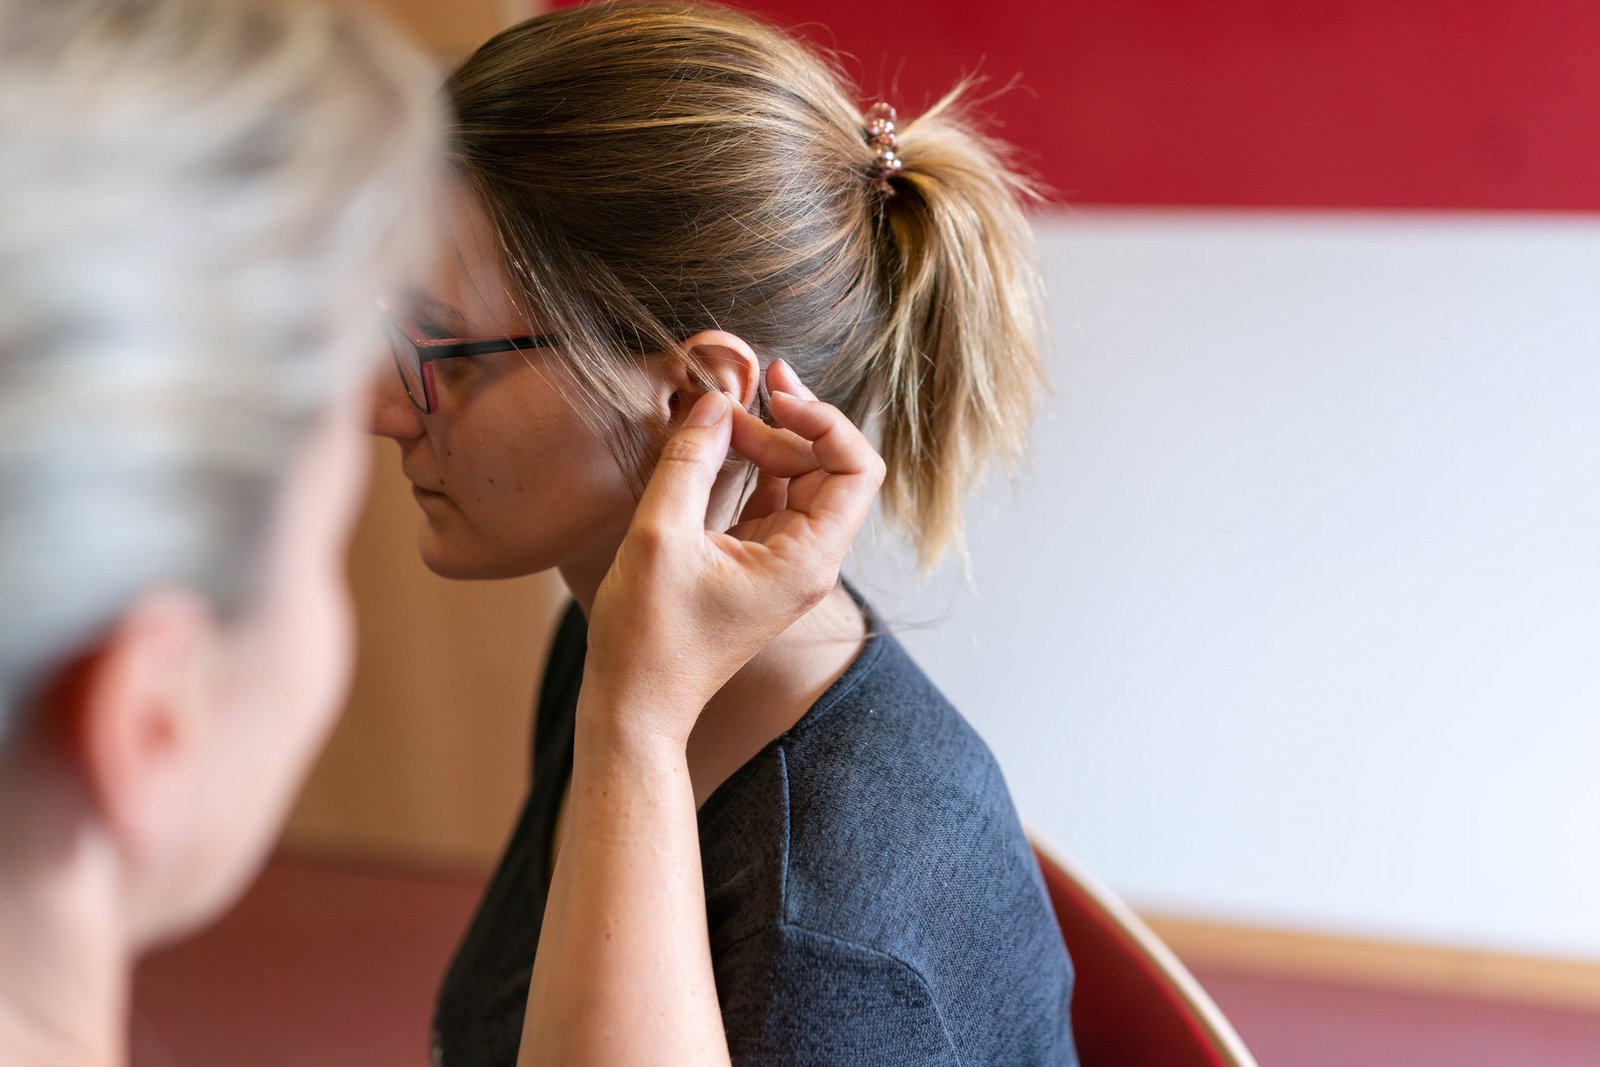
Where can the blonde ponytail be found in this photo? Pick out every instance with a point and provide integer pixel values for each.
(959, 371)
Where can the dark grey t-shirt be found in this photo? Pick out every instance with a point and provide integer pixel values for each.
(872, 900)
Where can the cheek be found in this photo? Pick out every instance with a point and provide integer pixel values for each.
(298, 686)
(297, 681)
(285, 698)
(297, 657)
(322, 646)
(281, 674)
(524, 499)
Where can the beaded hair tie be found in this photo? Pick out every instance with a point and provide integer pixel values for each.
(880, 135)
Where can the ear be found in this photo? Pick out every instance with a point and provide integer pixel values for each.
(137, 709)
(722, 356)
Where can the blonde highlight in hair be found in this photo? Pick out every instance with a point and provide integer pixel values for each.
(658, 169)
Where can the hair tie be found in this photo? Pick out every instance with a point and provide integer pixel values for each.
(880, 136)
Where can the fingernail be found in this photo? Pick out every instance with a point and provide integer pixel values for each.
(708, 410)
(794, 376)
(787, 396)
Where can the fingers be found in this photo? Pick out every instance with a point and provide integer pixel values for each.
(851, 471)
(679, 491)
(781, 376)
(839, 446)
(773, 449)
(814, 461)
(776, 449)
(770, 495)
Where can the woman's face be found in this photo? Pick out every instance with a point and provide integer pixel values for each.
(510, 479)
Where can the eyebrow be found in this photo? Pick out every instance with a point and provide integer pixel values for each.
(438, 307)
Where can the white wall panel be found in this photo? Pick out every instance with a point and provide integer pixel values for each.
(1295, 616)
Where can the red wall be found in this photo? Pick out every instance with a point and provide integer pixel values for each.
(1491, 104)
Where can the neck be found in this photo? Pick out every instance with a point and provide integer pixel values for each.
(771, 692)
(64, 964)
(582, 577)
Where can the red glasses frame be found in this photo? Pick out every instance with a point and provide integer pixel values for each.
(415, 355)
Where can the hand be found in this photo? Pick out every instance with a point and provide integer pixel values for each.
(683, 607)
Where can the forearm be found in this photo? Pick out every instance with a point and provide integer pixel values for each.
(623, 975)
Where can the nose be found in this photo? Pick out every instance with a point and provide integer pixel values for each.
(393, 413)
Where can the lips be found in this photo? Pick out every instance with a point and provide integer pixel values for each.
(417, 486)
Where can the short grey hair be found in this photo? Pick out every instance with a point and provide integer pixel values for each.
(199, 200)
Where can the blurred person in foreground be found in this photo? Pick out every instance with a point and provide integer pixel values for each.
(200, 203)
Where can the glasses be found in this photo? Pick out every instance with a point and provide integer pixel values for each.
(415, 356)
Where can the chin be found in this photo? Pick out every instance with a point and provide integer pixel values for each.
(457, 571)
(468, 567)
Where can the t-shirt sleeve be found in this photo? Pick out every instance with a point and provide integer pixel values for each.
(795, 998)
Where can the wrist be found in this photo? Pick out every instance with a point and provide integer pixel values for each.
(639, 728)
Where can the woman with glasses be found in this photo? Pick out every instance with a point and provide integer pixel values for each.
(813, 858)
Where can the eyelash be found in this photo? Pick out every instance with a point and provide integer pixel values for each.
(431, 330)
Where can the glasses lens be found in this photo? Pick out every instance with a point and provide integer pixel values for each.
(409, 363)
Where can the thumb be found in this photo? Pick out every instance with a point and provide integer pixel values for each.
(679, 490)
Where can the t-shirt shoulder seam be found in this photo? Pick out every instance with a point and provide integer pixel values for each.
(855, 676)
(786, 927)
(787, 821)
(848, 682)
